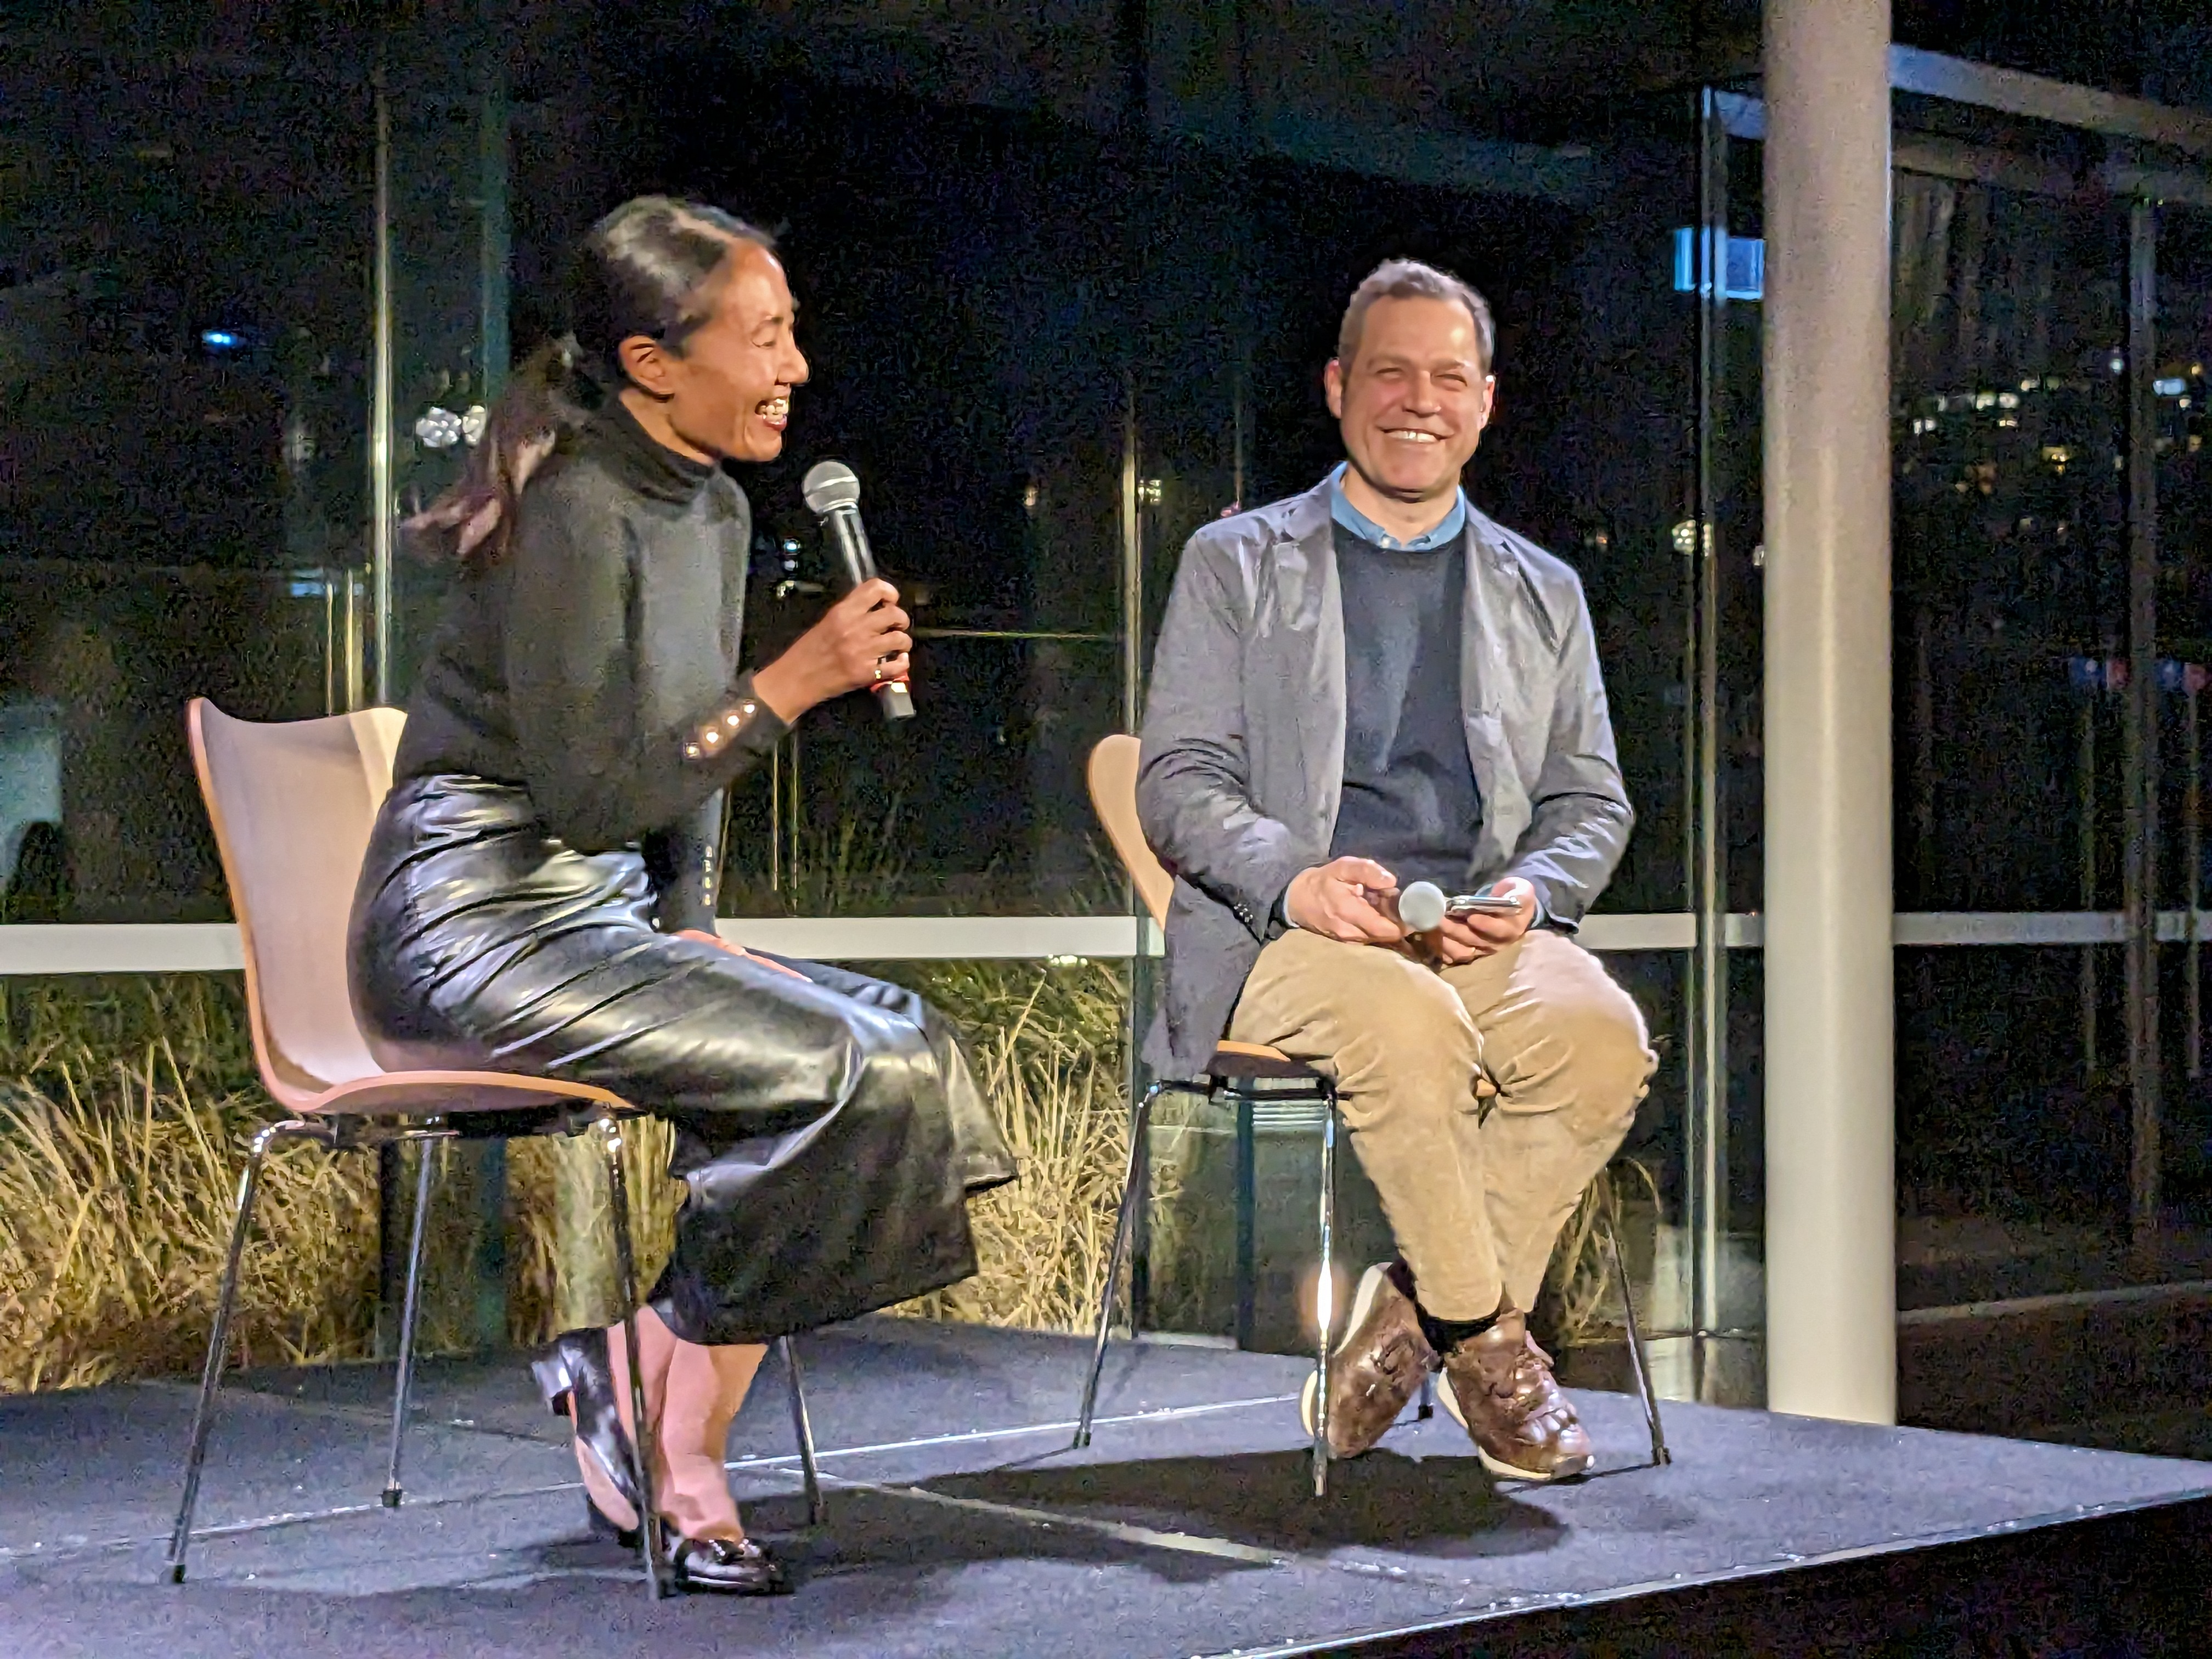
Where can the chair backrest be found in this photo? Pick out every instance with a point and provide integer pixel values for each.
(1113, 798)
(292, 804)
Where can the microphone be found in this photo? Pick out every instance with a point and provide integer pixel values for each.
(1421, 908)
(833, 494)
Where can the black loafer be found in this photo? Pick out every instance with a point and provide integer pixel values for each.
(578, 1365)
(726, 1567)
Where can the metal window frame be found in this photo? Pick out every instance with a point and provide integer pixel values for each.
(2011, 92)
(2062, 103)
(171, 947)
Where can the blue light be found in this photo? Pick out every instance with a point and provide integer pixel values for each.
(1745, 263)
(221, 339)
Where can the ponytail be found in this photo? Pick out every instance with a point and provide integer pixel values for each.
(544, 399)
(648, 268)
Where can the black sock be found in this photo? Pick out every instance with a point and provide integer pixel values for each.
(1444, 1334)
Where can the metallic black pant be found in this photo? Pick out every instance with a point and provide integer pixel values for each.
(829, 1127)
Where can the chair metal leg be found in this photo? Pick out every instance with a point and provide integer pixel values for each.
(803, 1425)
(1140, 1235)
(1325, 1294)
(1139, 1126)
(403, 1385)
(249, 1189)
(1639, 1361)
(1426, 1407)
(649, 1535)
(1248, 1224)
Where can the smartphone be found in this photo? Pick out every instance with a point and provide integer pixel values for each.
(1482, 904)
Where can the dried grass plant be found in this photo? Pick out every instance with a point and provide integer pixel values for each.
(126, 1102)
(1049, 1052)
(124, 1107)
(1580, 1296)
(561, 1267)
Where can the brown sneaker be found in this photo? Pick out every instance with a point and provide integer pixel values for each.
(1376, 1367)
(1499, 1386)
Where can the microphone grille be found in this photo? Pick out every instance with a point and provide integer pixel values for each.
(1421, 907)
(830, 485)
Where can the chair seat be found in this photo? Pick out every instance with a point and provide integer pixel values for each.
(457, 1094)
(1257, 1060)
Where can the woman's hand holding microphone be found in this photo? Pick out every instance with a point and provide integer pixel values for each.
(861, 641)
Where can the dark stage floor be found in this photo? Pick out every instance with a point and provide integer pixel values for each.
(960, 1524)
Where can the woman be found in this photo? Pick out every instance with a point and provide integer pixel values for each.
(538, 894)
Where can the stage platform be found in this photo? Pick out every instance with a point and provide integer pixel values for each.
(960, 1523)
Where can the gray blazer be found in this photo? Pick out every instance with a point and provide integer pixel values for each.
(1242, 767)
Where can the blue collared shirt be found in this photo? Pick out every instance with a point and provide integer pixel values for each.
(1367, 530)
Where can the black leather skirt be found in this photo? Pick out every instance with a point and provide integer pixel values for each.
(829, 1127)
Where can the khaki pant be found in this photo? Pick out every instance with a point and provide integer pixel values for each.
(1475, 1187)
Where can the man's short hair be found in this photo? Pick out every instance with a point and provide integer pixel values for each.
(1409, 279)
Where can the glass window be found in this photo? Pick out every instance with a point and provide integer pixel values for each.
(182, 395)
(2010, 331)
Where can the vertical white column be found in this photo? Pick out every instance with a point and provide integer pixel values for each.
(1831, 1216)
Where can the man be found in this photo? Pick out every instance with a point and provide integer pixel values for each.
(1361, 687)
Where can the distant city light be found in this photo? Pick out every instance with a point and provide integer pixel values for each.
(221, 339)
(2173, 388)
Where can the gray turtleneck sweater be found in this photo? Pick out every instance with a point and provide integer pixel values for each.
(595, 664)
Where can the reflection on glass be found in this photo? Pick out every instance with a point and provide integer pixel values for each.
(980, 811)
(181, 407)
(2012, 1174)
(2010, 561)
(446, 237)
(966, 310)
